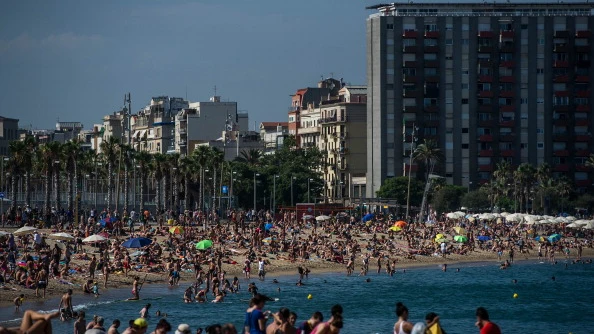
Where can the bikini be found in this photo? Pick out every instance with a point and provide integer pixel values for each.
(400, 330)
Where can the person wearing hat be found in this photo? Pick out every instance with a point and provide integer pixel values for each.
(138, 326)
(183, 329)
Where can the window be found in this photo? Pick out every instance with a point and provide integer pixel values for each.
(390, 41)
(540, 145)
(539, 130)
(430, 56)
(484, 102)
(464, 146)
(390, 26)
(464, 86)
(449, 41)
(540, 100)
(430, 27)
(409, 42)
(483, 131)
(524, 26)
(432, 131)
(464, 130)
(483, 86)
(430, 71)
(484, 116)
(524, 100)
(540, 71)
(506, 56)
(464, 101)
(430, 42)
(465, 41)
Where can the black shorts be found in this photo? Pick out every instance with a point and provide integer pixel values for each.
(42, 284)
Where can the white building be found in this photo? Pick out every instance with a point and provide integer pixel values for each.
(272, 135)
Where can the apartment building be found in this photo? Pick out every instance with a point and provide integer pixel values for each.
(9, 128)
(487, 81)
(272, 135)
(153, 128)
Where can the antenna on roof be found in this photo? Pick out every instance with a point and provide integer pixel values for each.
(215, 90)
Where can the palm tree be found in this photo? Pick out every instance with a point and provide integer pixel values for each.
(16, 165)
(72, 153)
(524, 176)
(201, 156)
(186, 168)
(252, 157)
(127, 155)
(110, 150)
(172, 195)
(217, 158)
(31, 148)
(543, 176)
(429, 154)
(590, 162)
(144, 162)
(50, 153)
(159, 161)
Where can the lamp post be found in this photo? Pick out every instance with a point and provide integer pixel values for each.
(233, 173)
(292, 178)
(308, 180)
(96, 182)
(274, 193)
(469, 184)
(2, 187)
(202, 186)
(255, 174)
(412, 150)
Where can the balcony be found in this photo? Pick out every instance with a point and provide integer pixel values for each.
(507, 138)
(485, 168)
(507, 123)
(560, 122)
(561, 153)
(560, 137)
(507, 153)
(582, 122)
(561, 78)
(432, 63)
(507, 63)
(411, 93)
(432, 78)
(485, 63)
(485, 78)
(561, 48)
(507, 47)
(582, 153)
(485, 153)
(583, 34)
(582, 93)
(486, 34)
(431, 124)
(582, 78)
(333, 119)
(582, 107)
(507, 78)
(410, 34)
(583, 183)
(431, 34)
(561, 93)
(582, 48)
(485, 108)
(409, 64)
(582, 63)
(583, 137)
(485, 93)
(485, 49)
(486, 123)
(561, 168)
(507, 33)
(410, 49)
(507, 93)
(410, 109)
(561, 63)
(431, 108)
(485, 138)
(431, 49)
(561, 107)
(561, 34)
(409, 78)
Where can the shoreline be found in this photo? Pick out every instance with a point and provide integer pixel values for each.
(109, 295)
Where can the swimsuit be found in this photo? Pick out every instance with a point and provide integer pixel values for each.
(400, 330)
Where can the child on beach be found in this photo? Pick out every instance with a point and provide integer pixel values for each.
(96, 289)
(18, 302)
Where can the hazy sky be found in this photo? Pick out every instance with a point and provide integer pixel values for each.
(74, 60)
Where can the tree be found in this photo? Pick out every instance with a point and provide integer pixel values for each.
(448, 198)
(476, 200)
(429, 154)
(251, 157)
(524, 177)
(397, 188)
(110, 150)
(144, 162)
(72, 154)
(158, 168)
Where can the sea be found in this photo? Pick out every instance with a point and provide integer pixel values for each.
(546, 298)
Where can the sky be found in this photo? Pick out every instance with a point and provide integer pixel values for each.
(74, 60)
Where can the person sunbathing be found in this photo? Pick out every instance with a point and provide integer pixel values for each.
(33, 323)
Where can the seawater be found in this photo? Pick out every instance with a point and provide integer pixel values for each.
(563, 305)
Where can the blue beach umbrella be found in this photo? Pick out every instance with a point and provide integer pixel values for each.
(368, 216)
(136, 242)
(268, 226)
(554, 237)
(483, 238)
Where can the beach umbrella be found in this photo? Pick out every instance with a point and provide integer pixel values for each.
(308, 217)
(367, 217)
(2, 233)
(540, 239)
(268, 226)
(589, 226)
(484, 238)
(137, 253)
(554, 237)
(574, 225)
(136, 242)
(176, 230)
(505, 214)
(342, 214)
(24, 230)
(268, 240)
(440, 240)
(571, 218)
(460, 230)
(460, 214)
(401, 223)
(61, 236)
(322, 218)
(94, 238)
(452, 215)
(471, 219)
(460, 238)
(395, 228)
(581, 222)
(204, 244)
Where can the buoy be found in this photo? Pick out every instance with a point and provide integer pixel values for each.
(309, 296)
(515, 295)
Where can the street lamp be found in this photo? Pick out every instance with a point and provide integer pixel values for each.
(96, 182)
(412, 150)
(292, 178)
(233, 173)
(274, 193)
(469, 184)
(255, 174)
(202, 187)
(308, 189)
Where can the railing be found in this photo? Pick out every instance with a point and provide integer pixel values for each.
(333, 119)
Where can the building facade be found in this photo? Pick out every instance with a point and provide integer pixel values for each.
(486, 81)
(10, 132)
(272, 135)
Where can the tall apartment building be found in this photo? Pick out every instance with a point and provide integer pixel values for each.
(153, 128)
(9, 131)
(487, 81)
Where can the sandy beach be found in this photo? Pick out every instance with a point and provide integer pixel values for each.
(276, 267)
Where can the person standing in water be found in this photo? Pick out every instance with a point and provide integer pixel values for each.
(484, 324)
(402, 326)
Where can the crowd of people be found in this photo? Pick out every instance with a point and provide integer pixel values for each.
(248, 239)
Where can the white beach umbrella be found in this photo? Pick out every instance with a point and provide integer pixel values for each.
(515, 217)
(24, 230)
(571, 218)
(589, 226)
(574, 225)
(505, 214)
(95, 238)
(322, 218)
(452, 215)
(61, 236)
(3, 233)
(581, 222)
(460, 214)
